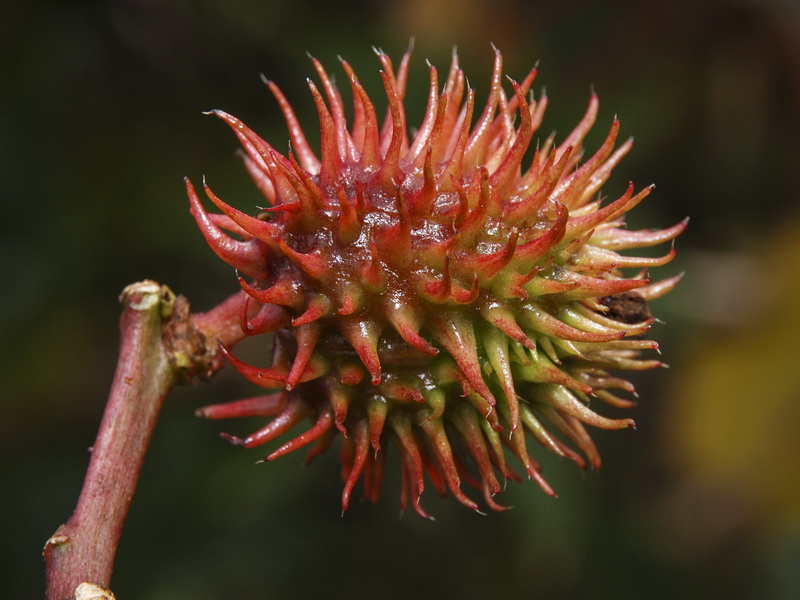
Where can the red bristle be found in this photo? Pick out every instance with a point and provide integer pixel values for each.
(602, 173)
(322, 426)
(659, 288)
(377, 410)
(479, 138)
(536, 192)
(401, 389)
(422, 137)
(265, 155)
(226, 223)
(331, 164)
(524, 87)
(557, 282)
(577, 226)
(438, 142)
(317, 367)
(317, 307)
(435, 474)
(568, 192)
(373, 275)
(307, 336)
(536, 318)
(412, 460)
(466, 421)
(509, 284)
(370, 147)
(292, 414)
(395, 241)
(350, 373)
(582, 316)
(357, 124)
(452, 136)
(496, 348)
(502, 318)
(391, 159)
(593, 287)
(291, 208)
(543, 371)
(488, 497)
(489, 265)
(535, 427)
(285, 291)
(308, 190)
(614, 400)
(321, 446)
(575, 138)
(461, 295)
(267, 378)
(538, 112)
(313, 264)
(502, 132)
(350, 297)
(599, 260)
(261, 177)
(300, 144)
(254, 145)
(247, 256)
(294, 193)
(475, 222)
(443, 454)
(572, 428)
(404, 484)
(424, 200)
(515, 441)
(265, 231)
(528, 254)
(340, 398)
(454, 331)
(257, 406)
(361, 202)
(622, 239)
(363, 335)
(535, 473)
(378, 471)
(407, 323)
(361, 439)
(505, 175)
(348, 225)
(438, 291)
(391, 124)
(268, 318)
(454, 167)
(451, 101)
(567, 404)
(344, 143)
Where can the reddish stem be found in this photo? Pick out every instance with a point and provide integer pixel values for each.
(160, 343)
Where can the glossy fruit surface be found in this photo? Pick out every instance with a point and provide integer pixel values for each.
(450, 293)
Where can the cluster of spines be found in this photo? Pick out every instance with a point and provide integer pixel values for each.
(431, 265)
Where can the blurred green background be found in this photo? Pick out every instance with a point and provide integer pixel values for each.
(100, 118)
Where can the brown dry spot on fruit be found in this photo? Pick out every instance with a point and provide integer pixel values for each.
(626, 307)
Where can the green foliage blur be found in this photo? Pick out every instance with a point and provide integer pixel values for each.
(100, 119)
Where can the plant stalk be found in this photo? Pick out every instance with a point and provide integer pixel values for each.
(161, 342)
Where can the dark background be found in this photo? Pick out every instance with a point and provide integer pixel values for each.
(100, 118)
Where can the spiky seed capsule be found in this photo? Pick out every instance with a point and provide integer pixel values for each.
(431, 293)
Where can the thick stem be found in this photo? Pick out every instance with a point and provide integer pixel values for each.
(160, 343)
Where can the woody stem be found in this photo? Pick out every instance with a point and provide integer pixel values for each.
(160, 343)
